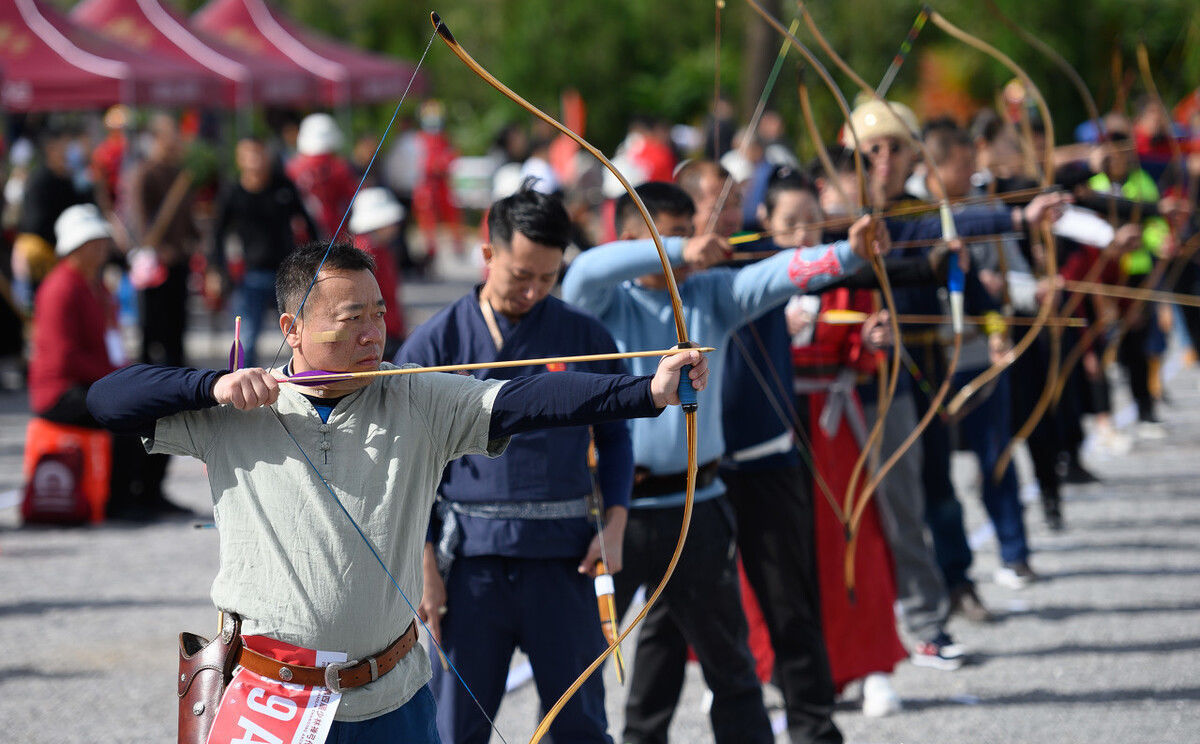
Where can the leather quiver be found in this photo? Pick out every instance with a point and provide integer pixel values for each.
(205, 669)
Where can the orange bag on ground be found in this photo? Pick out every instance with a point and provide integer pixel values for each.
(67, 470)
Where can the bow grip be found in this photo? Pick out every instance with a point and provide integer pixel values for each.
(954, 279)
(687, 393)
(954, 283)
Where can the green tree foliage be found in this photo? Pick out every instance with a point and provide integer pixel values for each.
(658, 56)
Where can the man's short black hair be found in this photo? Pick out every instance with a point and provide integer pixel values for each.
(539, 217)
(986, 126)
(940, 143)
(296, 273)
(659, 197)
(944, 123)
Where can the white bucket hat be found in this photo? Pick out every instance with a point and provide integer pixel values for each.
(872, 119)
(78, 225)
(375, 208)
(318, 135)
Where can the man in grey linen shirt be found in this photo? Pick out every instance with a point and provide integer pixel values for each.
(291, 563)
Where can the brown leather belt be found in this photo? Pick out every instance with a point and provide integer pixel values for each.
(342, 675)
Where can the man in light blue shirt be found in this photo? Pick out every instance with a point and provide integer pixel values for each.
(621, 284)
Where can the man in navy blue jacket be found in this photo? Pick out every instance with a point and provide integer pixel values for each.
(511, 559)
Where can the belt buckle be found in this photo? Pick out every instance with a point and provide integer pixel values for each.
(331, 674)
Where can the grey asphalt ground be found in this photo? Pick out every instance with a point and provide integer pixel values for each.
(1105, 649)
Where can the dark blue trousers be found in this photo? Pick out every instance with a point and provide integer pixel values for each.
(411, 723)
(544, 607)
(986, 430)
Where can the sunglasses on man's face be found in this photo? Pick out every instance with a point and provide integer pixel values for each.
(891, 146)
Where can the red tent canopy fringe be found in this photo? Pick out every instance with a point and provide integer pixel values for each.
(53, 64)
(347, 75)
(245, 78)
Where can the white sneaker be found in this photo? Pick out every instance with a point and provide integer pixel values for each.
(879, 698)
(1115, 443)
(1015, 575)
(1150, 430)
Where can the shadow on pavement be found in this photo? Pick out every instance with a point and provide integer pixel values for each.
(1083, 649)
(38, 607)
(1053, 697)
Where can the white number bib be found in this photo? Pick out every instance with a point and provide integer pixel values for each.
(258, 710)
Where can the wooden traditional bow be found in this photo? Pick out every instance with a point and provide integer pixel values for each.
(1083, 343)
(680, 331)
(955, 286)
(1051, 260)
(783, 408)
(877, 266)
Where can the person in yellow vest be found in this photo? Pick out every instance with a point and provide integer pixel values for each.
(1142, 343)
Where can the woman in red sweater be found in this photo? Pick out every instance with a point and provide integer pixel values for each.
(76, 341)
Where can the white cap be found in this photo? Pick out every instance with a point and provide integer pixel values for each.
(506, 181)
(633, 173)
(541, 176)
(318, 135)
(873, 119)
(373, 209)
(738, 166)
(77, 225)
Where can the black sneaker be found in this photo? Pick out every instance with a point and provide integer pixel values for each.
(940, 653)
(1054, 520)
(965, 602)
(1078, 475)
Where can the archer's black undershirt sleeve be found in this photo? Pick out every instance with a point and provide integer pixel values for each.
(568, 399)
(131, 399)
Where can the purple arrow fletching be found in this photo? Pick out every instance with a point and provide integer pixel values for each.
(323, 378)
(237, 356)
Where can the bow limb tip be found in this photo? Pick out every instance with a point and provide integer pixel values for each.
(441, 27)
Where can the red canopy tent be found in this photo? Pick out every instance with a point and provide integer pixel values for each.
(149, 25)
(347, 75)
(53, 64)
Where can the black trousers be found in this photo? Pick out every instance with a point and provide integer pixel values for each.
(1046, 441)
(127, 484)
(777, 540)
(1131, 353)
(1189, 283)
(700, 607)
(164, 320)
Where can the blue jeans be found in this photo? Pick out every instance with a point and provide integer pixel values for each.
(255, 296)
(415, 722)
(985, 431)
